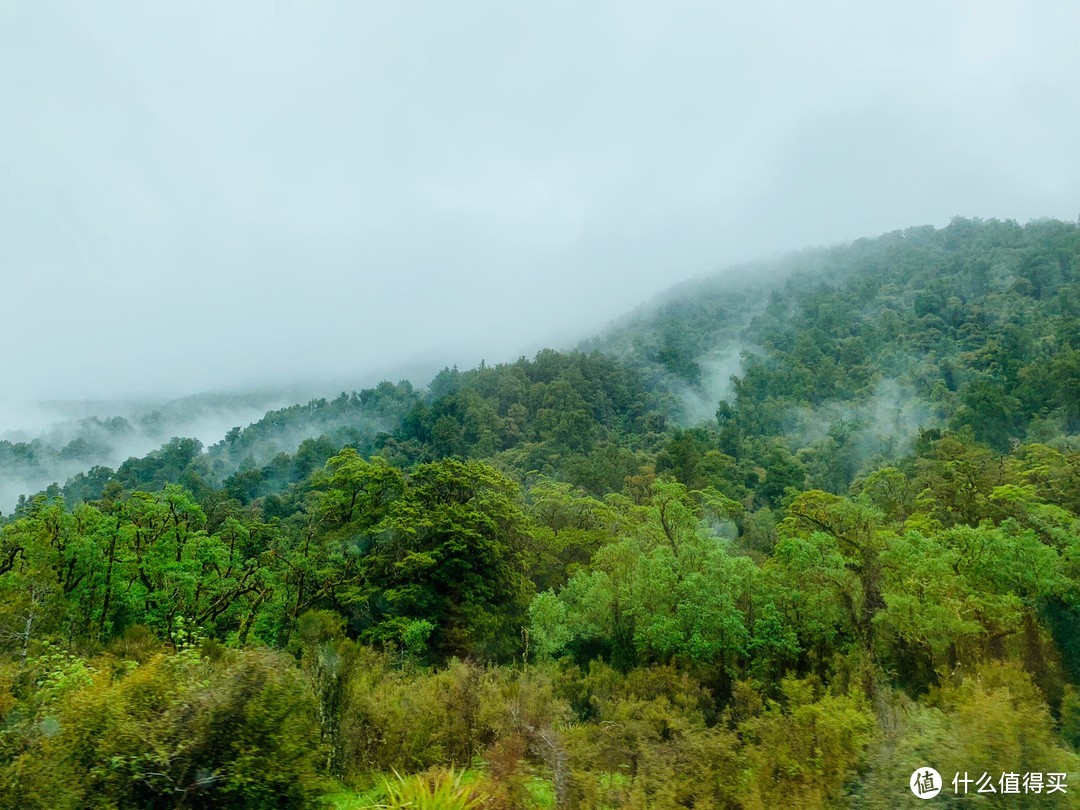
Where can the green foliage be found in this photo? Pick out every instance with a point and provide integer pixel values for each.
(436, 790)
(234, 733)
(553, 576)
(449, 552)
(806, 745)
(992, 721)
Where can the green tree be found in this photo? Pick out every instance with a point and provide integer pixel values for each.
(451, 550)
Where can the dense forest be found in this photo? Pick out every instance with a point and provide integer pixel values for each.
(778, 538)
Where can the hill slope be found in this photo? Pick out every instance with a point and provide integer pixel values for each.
(780, 537)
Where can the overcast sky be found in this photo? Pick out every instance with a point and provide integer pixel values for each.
(205, 195)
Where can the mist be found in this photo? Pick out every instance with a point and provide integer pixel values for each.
(58, 439)
(203, 196)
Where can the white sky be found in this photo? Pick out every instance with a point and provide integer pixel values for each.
(196, 195)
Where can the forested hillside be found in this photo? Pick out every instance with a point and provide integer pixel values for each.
(72, 437)
(775, 539)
